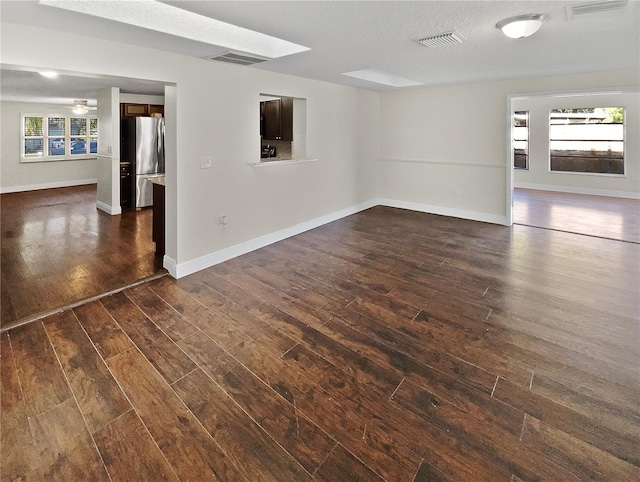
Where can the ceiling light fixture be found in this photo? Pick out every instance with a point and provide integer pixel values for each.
(80, 107)
(164, 18)
(49, 74)
(521, 26)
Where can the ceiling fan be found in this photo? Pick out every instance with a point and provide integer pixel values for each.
(80, 107)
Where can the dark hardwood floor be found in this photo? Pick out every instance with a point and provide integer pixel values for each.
(57, 248)
(602, 216)
(389, 345)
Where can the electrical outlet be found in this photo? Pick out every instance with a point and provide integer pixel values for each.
(205, 162)
(457, 191)
(223, 221)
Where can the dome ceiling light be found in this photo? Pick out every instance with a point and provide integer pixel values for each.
(521, 26)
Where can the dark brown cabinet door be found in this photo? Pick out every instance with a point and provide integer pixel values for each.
(272, 129)
(156, 109)
(128, 111)
(134, 110)
(157, 231)
(286, 119)
(276, 119)
(125, 185)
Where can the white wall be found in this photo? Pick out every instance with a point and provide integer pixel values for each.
(141, 99)
(540, 177)
(214, 114)
(23, 176)
(440, 141)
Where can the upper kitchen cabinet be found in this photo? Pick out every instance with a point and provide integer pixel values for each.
(276, 119)
(128, 111)
(156, 109)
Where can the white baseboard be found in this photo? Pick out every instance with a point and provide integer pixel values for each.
(206, 261)
(445, 211)
(47, 185)
(579, 190)
(184, 269)
(169, 264)
(113, 210)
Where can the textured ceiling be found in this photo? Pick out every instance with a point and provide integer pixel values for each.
(25, 86)
(347, 36)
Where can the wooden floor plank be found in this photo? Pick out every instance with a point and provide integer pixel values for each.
(106, 335)
(163, 353)
(41, 377)
(65, 448)
(210, 323)
(382, 378)
(17, 457)
(96, 392)
(428, 473)
(188, 448)
(255, 453)
(340, 464)
(333, 399)
(307, 442)
(576, 455)
(252, 326)
(172, 323)
(623, 443)
(130, 453)
(506, 450)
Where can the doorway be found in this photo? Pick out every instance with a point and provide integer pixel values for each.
(559, 184)
(57, 247)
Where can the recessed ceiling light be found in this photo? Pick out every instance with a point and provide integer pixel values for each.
(164, 18)
(382, 77)
(49, 74)
(521, 26)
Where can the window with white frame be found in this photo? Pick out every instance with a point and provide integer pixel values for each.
(521, 139)
(58, 137)
(587, 140)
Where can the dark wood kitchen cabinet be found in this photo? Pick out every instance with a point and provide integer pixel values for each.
(158, 230)
(133, 110)
(276, 119)
(125, 184)
(156, 109)
(127, 110)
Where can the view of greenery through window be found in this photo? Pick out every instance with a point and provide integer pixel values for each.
(587, 140)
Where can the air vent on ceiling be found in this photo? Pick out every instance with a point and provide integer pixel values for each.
(443, 39)
(578, 11)
(238, 59)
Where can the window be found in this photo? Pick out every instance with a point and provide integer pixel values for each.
(58, 137)
(587, 140)
(521, 139)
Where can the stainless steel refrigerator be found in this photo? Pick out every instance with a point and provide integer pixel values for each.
(142, 144)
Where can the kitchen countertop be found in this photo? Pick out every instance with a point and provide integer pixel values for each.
(158, 180)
